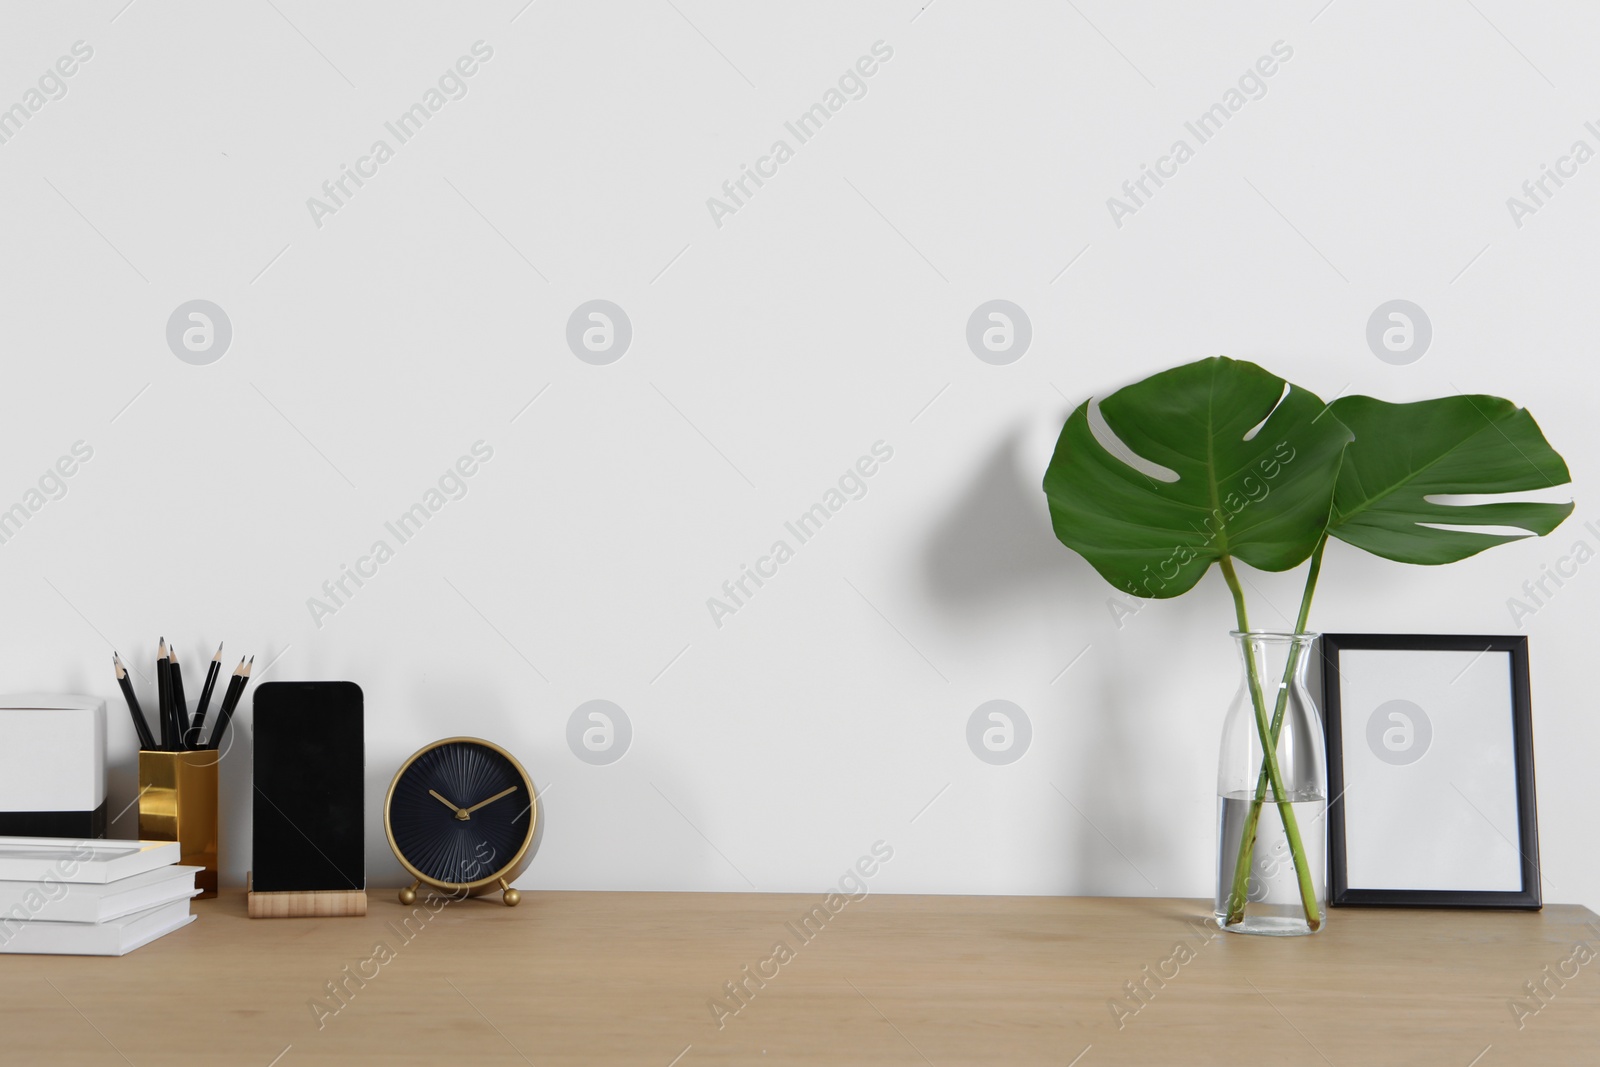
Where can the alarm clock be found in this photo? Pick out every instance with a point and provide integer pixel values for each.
(460, 816)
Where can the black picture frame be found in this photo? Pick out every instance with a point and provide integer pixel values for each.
(1529, 897)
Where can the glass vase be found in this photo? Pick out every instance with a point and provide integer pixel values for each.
(1271, 814)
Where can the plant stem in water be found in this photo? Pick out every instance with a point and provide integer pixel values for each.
(1291, 826)
(1238, 895)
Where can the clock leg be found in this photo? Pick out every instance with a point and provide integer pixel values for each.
(509, 895)
(408, 895)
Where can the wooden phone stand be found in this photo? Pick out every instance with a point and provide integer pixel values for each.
(304, 903)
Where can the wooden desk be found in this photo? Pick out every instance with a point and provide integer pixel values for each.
(601, 978)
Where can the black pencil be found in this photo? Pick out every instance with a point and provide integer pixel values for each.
(164, 697)
(230, 700)
(180, 706)
(205, 696)
(142, 728)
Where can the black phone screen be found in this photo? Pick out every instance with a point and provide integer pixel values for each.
(310, 776)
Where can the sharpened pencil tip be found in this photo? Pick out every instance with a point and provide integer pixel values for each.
(219, 651)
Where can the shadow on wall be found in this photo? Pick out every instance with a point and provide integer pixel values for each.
(995, 540)
(994, 546)
(1112, 821)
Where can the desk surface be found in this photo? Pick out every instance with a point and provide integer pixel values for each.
(599, 978)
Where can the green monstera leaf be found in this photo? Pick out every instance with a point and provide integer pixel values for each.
(1249, 464)
(1405, 455)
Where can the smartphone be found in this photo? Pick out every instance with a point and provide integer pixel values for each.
(308, 811)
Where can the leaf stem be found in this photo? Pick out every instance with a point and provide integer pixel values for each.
(1291, 826)
(1239, 893)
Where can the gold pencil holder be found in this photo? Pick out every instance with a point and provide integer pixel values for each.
(178, 802)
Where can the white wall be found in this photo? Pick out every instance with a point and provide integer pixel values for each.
(827, 314)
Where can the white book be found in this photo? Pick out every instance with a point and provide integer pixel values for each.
(115, 938)
(77, 902)
(69, 859)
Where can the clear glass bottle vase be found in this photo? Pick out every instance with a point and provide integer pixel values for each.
(1276, 820)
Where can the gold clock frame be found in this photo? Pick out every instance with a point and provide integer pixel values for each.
(500, 878)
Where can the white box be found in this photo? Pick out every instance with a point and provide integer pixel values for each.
(52, 760)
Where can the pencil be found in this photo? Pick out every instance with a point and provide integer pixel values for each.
(180, 706)
(230, 700)
(142, 728)
(205, 695)
(164, 697)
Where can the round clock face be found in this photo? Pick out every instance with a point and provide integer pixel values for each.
(460, 812)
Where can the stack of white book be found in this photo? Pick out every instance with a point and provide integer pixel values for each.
(74, 897)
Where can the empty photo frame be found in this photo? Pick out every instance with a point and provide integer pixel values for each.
(1430, 767)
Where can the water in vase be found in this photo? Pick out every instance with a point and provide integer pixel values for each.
(1273, 898)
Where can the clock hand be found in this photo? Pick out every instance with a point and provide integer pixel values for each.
(491, 800)
(459, 813)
